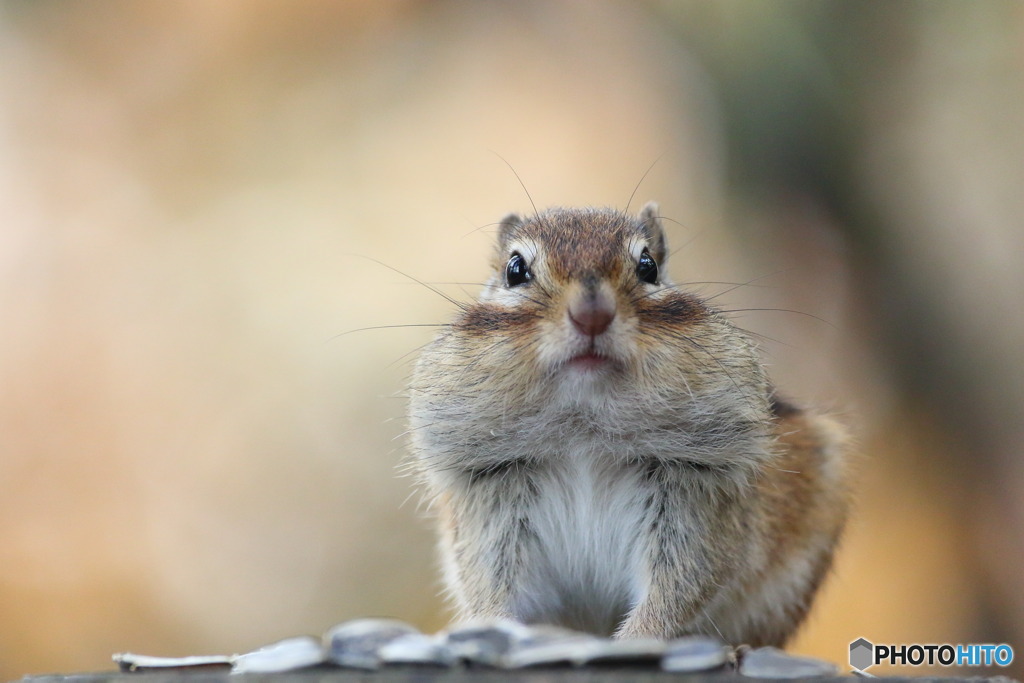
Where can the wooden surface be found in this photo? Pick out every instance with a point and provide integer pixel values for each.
(423, 675)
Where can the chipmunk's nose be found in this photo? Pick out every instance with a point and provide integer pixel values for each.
(592, 312)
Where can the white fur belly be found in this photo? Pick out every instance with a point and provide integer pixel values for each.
(583, 568)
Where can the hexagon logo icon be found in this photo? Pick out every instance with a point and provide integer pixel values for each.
(862, 654)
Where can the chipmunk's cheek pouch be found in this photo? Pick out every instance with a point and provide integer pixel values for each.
(670, 311)
(488, 320)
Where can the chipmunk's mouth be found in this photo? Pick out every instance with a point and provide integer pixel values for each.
(589, 360)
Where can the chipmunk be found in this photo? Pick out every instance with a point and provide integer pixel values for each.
(605, 451)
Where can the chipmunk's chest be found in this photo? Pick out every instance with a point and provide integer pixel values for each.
(587, 539)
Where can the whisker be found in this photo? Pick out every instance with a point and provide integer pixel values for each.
(641, 182)
(387, 327)
(695, 283)
(745, 284)
(685, 244)
(765, 337)
(521, 183)
(713, 624)
(735, 285)
(478, 229)
(406, 355)
(778, 310)
(461, 284)
(435, 290)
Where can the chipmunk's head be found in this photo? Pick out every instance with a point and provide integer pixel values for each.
(588, 287)
(580, 320)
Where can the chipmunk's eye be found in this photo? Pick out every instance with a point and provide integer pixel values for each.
(647, 269)
(516, 272)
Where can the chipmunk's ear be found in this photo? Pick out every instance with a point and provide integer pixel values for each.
(509, 224)
(650, 224)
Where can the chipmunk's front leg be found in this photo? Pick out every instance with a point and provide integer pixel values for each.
(692, 539)
(486, 530)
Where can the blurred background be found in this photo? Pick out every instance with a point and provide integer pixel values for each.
(194, 197)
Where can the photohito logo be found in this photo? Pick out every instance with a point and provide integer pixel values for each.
(864, 654)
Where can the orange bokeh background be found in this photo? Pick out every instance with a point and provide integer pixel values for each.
(194, 198)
